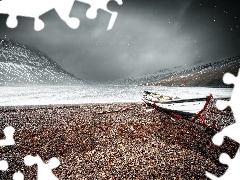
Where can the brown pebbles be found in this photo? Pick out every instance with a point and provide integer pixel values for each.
(113, 141)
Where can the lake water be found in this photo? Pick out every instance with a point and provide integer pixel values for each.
(45, 95)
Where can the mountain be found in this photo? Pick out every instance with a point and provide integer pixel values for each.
(21, 65)
(203, 75)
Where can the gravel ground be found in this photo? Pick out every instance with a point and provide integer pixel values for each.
(114, 141)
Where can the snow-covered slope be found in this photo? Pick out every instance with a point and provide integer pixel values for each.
(20, 65)
(205, 75)
(208, 75)
(147, 78)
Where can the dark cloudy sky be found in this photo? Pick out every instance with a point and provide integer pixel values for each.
(147, 36)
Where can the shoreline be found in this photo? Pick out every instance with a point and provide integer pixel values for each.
(112, 141)
(11, 107)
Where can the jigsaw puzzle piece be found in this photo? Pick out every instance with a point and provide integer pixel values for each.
(235, 98)
(7, 7)
(36, 8)
(44, 170)
(63, 8)
(114, 5)
(8, 131)
(101, 4)
(24, 8)
(232, 130)
(3, 165)
(18, 176)
(233, 172)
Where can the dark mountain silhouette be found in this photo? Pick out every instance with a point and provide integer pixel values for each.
(203, 75)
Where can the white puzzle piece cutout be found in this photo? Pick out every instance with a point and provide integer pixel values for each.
(233, 172)
(8, 131)
(231, 131)
(18, 176)
(44, 170)
(36, 8)
(101, 4)
(3, 165)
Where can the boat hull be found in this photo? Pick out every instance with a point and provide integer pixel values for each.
(188, 107)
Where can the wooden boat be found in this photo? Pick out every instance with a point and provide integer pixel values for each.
(180, 108)
(184, 106)
(154, 97)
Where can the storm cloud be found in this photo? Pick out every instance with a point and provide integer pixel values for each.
(147, 36)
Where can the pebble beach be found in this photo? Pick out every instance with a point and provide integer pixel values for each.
(114, 141)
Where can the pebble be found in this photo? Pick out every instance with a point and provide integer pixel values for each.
(114, 141)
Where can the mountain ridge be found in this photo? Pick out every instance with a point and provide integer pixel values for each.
(200, 75)
(22, 65)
